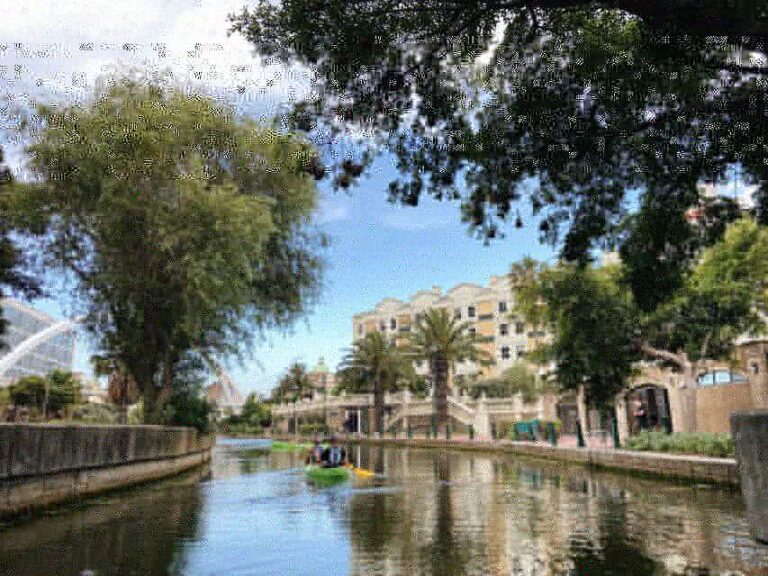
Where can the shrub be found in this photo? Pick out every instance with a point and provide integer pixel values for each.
(312, 429)
(702, 443)
(187, 409)
(95, 414)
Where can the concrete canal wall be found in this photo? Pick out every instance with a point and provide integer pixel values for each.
(693, 468)
(42, 465)
(750, 438)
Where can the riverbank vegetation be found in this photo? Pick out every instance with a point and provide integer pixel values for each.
(600, 325)
(184, 227)
(699, 443)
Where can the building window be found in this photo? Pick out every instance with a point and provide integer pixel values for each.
(720, 377)
(519, 327)
(505, 353)
(382, 326)
(471, 312)
(392, 324)
(472, 330)
(504, 329)
(502, 306)
(521, 353)
(360, 329)
(457, 313)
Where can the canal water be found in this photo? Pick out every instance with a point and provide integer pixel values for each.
(431, 512)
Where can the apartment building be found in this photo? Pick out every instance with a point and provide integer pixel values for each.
(488, 309)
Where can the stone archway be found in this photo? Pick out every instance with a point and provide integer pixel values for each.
(656, 385)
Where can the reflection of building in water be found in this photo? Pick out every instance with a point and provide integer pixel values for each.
(24, 321)
(507, 516)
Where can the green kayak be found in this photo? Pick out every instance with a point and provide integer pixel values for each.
(288, 446)
(327, 474)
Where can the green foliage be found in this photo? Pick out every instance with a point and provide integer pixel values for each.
(720, 298)
(11, 258)
(187, 409)
(95, 414)
(374, 364)
(185, 226)
(442, 341)
(63, 390)
(256, 412)
(590, 98)
(294, 384)
(517, 379)
(307, 430)
(592, 321)
(255, 416)
(702, 443)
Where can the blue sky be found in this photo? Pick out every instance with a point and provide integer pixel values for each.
(56, 51)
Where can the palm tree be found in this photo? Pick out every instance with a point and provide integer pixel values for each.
(378, 362)
(442, 341)
(294, 384)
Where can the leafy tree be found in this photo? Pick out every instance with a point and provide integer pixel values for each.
(184, 226)
(591, 319)
(517, 379)
(293, 385)
(584, 99)
(598, 331)
(722, 297)
(376, 360)
(255, 412)
(11, 259)
(46, 394)
(442, 341)
(29, 391)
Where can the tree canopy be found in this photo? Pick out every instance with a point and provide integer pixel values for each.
(375, 362)
(567, 105)
(443, 341)
(294, 384)
(12, 276)
(598, 331)
(185, 227)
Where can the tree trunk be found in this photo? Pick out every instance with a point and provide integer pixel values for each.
(581, 406)
(440, 383)
(378, 405)
(122, 414)
(688, 397)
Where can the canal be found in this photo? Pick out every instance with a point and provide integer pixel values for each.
(438, 513)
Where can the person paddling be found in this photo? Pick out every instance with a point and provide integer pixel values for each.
(315, 455)
(335, 455)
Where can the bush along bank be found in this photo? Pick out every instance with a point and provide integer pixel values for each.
(697, 443)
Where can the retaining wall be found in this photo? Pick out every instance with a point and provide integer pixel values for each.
(750, 438)
(42, 465)
(694, 468)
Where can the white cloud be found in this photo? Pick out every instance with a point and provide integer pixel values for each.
(333, 210)
(54, 51)
(415, 219)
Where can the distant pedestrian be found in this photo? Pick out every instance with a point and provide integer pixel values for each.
(641, 417)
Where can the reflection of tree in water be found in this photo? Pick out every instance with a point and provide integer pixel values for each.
(613, 553)
(136, 532)
(449, 551)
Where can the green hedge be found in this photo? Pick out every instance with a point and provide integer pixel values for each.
(702, 443)
(312, 429)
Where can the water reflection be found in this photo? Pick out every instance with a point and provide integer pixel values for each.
(433, 513)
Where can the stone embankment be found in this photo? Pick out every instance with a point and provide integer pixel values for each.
(691, 468)
(41, 465)
(750, 438)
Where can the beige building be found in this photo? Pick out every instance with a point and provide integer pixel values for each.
(488, 309)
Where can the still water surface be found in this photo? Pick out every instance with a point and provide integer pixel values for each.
(433, 512)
